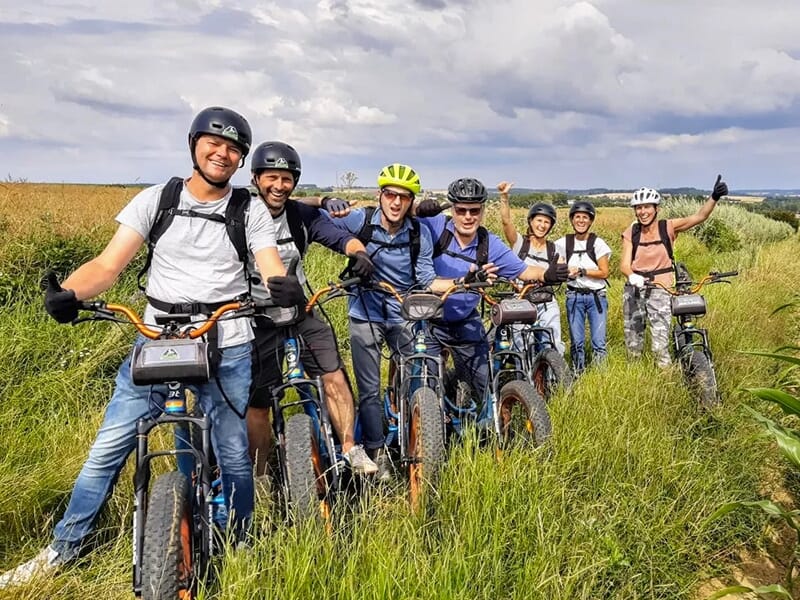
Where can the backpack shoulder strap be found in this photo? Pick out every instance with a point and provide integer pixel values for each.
(523, 249)
(414, 243)
(590, 249)
(551, 250)
(662, 231)
(167, 205)
(297, 227)
(569, 243)
(444, 240)
(364, 234)
(636, 236)
(235, 217)
(482, 253)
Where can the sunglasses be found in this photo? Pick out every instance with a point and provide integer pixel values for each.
(392, 196)
(461, 211)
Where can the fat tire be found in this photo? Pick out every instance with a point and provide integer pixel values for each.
(167, 556)
(548, 372)
(703, 380)
(522, 394)
(426, 444)
(306, 484)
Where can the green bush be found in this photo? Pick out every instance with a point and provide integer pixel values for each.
(718, 236)
(784, 216)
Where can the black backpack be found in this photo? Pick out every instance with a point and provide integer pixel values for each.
(590, 251)
(481, 255)
(234, 221)
(364, 235)
(636, 236)
(526, 246)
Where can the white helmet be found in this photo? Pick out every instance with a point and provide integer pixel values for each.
(645, 196)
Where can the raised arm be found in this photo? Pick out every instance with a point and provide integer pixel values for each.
(509, 231)
(685, 223)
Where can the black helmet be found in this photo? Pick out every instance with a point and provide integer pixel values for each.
(582, 206)
(223, 122)
(468, 191)
(276, 155)
(541, 208)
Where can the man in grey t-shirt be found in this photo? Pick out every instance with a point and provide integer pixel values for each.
(194, 261)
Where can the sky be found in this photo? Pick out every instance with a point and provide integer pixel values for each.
(544, 93)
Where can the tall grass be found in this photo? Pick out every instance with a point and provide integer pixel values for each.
(613, 507)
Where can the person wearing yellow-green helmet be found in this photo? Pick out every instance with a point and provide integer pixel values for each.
(402, 254)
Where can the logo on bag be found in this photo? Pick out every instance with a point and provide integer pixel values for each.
(169, 354)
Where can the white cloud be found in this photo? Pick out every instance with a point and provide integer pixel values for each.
(559, 91)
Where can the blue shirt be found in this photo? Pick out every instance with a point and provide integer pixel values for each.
(459, 306)
(392, 265)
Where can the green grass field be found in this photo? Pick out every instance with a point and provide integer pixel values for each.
(613, 507)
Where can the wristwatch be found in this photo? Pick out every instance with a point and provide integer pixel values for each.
(582, 272)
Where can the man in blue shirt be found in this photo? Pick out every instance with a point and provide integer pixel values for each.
(462, 244)
(401, 252)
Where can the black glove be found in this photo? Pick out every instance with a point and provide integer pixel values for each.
(361, 265)
(59, 303)
(476, 275)
(334, 205)
(556, 273)
(286, 291)
(429, 208)
(720, 189)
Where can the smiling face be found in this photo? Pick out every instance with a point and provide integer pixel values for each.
(645, 213)
(217, 157)
(275, 186)
(467, 218)
(581, 222)
(540, 226)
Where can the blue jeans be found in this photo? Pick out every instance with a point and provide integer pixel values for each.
(366, 343)
(467, 343)
(116, 439)
(581, 307)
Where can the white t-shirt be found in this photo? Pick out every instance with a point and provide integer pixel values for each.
(195, 260)
(536, 258)
(580, 259)
(287, 250)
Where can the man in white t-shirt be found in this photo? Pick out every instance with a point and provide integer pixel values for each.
(194, 263)
(587, 258)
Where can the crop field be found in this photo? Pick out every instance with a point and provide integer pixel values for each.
(615, 506)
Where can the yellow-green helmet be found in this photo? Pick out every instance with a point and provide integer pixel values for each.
(400, 175)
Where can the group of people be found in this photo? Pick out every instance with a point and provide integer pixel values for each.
(646, 258)
(194, 266)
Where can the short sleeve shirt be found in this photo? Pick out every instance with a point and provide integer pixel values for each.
(194, 259)
(580, 260)
(392, 260)
(652, 257)
(458, 307)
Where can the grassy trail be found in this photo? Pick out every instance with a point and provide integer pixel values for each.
(614, 507)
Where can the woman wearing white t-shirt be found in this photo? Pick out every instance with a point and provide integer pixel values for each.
(587, 258)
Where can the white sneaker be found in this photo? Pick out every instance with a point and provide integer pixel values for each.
(359, 462)
(47, 561)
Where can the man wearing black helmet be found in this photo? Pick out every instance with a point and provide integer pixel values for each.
(463, 245)
(535, 249)
(276, 169)
(193, 263)
(587, 258)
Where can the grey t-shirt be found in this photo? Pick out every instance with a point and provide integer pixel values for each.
(287, 250)
(194, 260)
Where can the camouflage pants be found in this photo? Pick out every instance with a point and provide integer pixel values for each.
(640, 306)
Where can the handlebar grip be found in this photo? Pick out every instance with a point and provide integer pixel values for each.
(477, 285)
(349, 282)
(94, 305)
